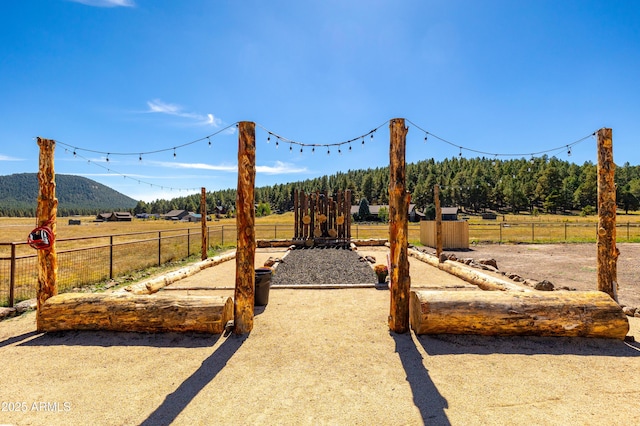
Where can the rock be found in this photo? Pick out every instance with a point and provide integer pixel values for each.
(628, 310)
(370, 259)
(466, 261)
(443, 257)
(26, 305)
(7, 312)
(270, 261)
(637, 314)
(489, 262)
(544, 285)
(514, 277)
(452, 257)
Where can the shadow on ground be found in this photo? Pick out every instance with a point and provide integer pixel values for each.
(448, 344)
(178, 400)
(425, 393)
(115, 338)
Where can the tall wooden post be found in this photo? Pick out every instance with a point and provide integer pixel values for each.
(46, 213)
(203, 222)
(245, 222)
(398, 228)
(436, 198)
(607, 251)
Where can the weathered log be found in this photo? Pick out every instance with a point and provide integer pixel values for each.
(246, 233)
(399, 198)
(139, 313)
(154, 284)
(583, 314)
(607, 267)
(46, 212)
(470, 275)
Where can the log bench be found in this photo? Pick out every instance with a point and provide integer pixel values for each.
(139, 313)
(584, 314)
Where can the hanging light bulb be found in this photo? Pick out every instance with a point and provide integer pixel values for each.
(269, 138)
(300, 150)
(339, 151)
(290, 147)
(425, 137)
(209, 141)
(349, 147)
(568, 150)
(328, 151)
(277, 145)
(313, 150)
(174, 153)
(140, 157)
(108, 157)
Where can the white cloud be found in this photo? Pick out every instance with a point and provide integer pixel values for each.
(158, 106)
(7, 158)
(196, 166)
(107, 3)
(280, 168)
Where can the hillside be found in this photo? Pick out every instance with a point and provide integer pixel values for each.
(76, 195)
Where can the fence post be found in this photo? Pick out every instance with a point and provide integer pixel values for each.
(501, 223)
(565, 232)
(628, 231)
(159, 248)
(533, 232)
(222, 236)
(111, 257)
(275, 232)
(12, 281)
(188, 241)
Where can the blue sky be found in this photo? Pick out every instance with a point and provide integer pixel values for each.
(136, 76)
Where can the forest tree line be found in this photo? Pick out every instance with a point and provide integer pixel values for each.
(544, 184)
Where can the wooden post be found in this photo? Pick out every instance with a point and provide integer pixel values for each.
(607, 251)
(399, 198)
(46, 212)
(436, 198)
(245, 223)
(296, 214)
(203, 222)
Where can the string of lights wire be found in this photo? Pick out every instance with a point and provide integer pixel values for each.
(494, 154)
(140, 181)
(281, 139)
(141, 153)
(313, 146)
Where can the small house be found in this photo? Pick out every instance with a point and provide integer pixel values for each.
(449, 213)
(176, 215)
(114, 217)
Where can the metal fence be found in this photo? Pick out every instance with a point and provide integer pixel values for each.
(90, 260)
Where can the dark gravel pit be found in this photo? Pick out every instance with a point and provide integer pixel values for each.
(317, 266)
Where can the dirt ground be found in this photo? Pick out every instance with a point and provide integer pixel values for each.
(316, 357)
(570, 265)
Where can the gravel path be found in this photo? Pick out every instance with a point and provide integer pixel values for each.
(323, 266)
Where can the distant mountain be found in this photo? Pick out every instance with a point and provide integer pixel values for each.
(76, 195)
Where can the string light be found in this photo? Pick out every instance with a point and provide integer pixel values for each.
(174, 153)
(209, 141)
(140, 157)
(425, 137)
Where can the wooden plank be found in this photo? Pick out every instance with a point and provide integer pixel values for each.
(584, 314)
(138, 313)
(436, 197)
(46, 214)
(607, 266)
(246, 234)
(399, 198)
(203, 223)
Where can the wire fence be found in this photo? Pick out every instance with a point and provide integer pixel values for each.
(95, 259)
